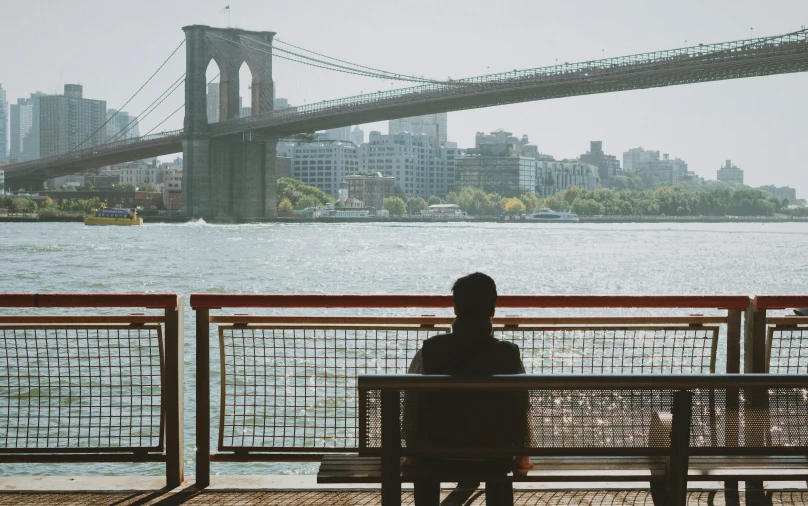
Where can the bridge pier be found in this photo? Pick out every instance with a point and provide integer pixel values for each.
(230, 178)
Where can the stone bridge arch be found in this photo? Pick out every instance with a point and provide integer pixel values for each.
(227, 178)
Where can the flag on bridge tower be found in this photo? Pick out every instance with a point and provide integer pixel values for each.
(226, 10)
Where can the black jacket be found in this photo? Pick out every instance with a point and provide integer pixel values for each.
(469, 418)
(470, 350)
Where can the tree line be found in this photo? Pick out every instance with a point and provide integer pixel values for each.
(662, 201)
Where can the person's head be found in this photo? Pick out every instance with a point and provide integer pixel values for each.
(474, 295)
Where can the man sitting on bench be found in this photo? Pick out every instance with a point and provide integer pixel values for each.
(470, 350)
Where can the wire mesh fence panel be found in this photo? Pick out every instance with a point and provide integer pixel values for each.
(294, 388)
(550, 419)
(788, 350)
(616, 350)
(81, 389)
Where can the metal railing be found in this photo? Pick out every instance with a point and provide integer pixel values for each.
(288, 383)
(92, 388)
(776, 344)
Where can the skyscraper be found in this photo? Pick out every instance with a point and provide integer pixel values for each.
(121, 126)
(338, 134)
(358, 137)
(430, 124)
(3, 125)
(70, 121)
(24, 131)
(21, 122)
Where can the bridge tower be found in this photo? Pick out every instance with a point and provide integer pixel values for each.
(231, 177)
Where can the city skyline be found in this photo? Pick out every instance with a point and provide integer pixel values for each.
(754, 121)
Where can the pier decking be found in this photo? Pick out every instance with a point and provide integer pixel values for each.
(210, 497)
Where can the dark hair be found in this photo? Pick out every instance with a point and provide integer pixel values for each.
(474, 295)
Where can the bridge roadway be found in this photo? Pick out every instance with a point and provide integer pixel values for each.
(729, 60)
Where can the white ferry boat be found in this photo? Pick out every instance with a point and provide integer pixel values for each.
(444, 212)
(549, 216)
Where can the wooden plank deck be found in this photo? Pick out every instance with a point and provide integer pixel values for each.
(192, 497)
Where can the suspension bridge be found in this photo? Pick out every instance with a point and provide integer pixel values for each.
(229, 169)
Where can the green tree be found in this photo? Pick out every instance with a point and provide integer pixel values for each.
(514, 205)
(88, 185)
(395, 205)
(451, 198)
(22, 205)
(147, 187)
(285, 206)
(434, 200)
(294, 190)
(557, 202)
(474, 201)
(66, 188)
(531, 202)
(124, 187)
(307, 201)
(587, 206)
(86, 206)
(415, 205)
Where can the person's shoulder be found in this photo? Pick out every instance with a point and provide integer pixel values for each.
(508, 346)
(439, 339)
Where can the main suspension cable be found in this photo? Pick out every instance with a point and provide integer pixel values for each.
(328, 65)
(148, 110)
(130, 99)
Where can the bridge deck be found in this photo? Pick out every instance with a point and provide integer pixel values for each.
(729, 60)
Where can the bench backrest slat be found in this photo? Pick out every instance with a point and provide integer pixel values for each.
(588, 415)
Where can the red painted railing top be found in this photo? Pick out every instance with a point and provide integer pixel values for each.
(144, 300)
(218, 301)
(780, 301)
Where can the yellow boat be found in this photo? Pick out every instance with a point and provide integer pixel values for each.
(108, 216)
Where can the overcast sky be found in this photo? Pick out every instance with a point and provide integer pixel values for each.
(111, 47)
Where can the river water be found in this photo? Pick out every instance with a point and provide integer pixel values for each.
(675, 258)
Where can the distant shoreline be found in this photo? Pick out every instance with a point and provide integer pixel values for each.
(584, 219)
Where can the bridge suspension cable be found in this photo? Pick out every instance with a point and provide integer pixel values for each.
(148, 110)
(178, 109)
(391, 74)
(79, 145)
(350, 68)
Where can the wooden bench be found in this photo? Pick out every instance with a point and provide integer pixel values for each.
(581, 428)
(601, 429)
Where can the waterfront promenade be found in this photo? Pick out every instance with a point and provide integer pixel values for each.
(193, 497)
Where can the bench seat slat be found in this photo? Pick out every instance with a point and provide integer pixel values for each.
(356, 469)
(363, 469)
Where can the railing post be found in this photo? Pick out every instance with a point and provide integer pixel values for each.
(754, 362)
(755, 341)
(680, 448)
(174, 393)
(734, 341)
(202, 397)
(732, 425)
(391, 449)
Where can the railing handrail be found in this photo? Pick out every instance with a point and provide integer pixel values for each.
(579, 381)
(77, 300)
(780, 301)
(218, 301)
